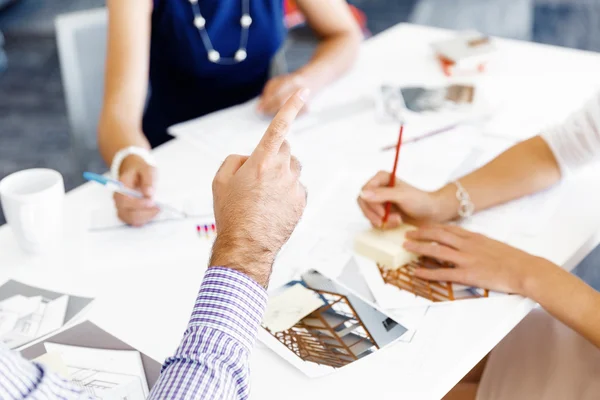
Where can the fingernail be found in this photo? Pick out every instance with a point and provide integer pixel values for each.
(304, 93)
(149, 203)
(149, 191)
(396, 218)
(367, 194)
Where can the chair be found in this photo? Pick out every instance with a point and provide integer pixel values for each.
(81, 38)
(3, 58)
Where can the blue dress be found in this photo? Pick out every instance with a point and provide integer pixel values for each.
(184, 84)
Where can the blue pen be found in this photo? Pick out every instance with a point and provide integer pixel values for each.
(119, 187)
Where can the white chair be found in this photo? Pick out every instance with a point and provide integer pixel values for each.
(81, 38)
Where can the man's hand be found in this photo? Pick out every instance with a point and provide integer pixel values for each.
(136, 174)
(259, 200)
(278, 90)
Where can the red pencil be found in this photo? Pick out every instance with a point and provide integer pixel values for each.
(388, 205)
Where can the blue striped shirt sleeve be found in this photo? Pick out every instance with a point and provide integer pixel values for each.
(212, 361)
(23, 379)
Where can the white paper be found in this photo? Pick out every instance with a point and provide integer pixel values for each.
(235, 130)
(238, 129)
(104, 374)
(196, 208)
(53, 315)
(47, 316)
(529, 216)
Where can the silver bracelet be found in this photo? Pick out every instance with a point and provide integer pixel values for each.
(466, 207)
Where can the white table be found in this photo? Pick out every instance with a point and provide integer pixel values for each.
(146, 281)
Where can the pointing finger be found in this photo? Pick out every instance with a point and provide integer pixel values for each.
(275, 135)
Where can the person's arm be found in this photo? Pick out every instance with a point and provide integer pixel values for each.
(22, 379)
(212, 359)
(340, 38)
(126, 77)
(566, 297)
(482, 262)
(258, 203)
(125, 89)
(532, 165)
(526, 168)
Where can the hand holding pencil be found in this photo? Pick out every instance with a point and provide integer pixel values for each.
(387, 202)
(392, 180)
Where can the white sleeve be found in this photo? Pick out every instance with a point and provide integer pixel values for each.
(576, 142)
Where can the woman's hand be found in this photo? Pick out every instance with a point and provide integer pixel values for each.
(409, 204)
(479, 261)
(136, 174)
(278, 90)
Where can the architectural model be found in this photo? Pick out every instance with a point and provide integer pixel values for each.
(397, 265)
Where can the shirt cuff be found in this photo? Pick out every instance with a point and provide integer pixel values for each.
(231, 302)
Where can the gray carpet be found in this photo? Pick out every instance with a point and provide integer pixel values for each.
(33, 124)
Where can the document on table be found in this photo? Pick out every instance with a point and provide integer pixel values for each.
(104, 374)
(28, 313)
(238, 129)
(195, 207)
(235, 130)
(23, 319)
(527, 216)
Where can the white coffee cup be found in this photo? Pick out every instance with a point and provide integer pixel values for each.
(32, 201)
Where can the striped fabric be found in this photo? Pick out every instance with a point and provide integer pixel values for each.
(210, 363)
(212, 360)
(22, 379)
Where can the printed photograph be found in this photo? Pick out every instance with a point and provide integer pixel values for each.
(325, 325)
(28, 312)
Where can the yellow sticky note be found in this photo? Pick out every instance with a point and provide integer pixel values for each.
(385, 246)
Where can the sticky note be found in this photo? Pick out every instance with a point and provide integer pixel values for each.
(385, 246)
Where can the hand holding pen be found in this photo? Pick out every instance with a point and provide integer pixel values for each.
(145, 208)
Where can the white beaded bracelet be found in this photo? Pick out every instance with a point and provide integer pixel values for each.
(122, 154)
(466, 207)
